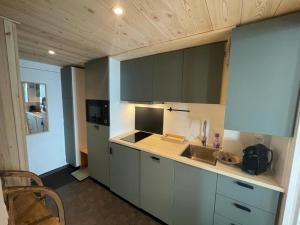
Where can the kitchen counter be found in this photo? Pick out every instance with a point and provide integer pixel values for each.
(155, 145)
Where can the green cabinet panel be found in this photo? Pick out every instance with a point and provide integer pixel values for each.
(167, 75)
(98, 152)
(202, 73)
(194, 195)
(125, 172)
(137, 79)
(263, 85)
(251, 194)
(67, 100)
(157, 177)
(221, 220)
(241, 212)
(96, 82)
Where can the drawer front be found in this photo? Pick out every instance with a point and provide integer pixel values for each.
(253, 195)
(241, 212)
(221, 220)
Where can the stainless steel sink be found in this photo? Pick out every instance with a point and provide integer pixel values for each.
(200, 153)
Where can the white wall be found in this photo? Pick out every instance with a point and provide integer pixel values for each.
(46, 151)
(3, 212)
(121, 114)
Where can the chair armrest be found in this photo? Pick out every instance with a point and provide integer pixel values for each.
(25, 174)
(44, 191)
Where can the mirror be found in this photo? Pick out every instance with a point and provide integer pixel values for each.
(35, 107)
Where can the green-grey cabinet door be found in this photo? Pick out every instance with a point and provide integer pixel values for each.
(241, 212)
(202, 73)
(137, 79)
(263, 85)
(157, 177)
(167, 83)
(125, 172)
(194, 195)
(98, 152)
(67, 100)
(96, 82)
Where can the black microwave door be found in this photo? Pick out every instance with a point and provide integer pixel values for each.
(93, 111)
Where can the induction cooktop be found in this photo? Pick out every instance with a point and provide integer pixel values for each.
(138, 136)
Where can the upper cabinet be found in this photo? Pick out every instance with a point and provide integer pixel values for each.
(202, 73)
(263, 85)
(167, 82)
(137, 79)
(97, 79)
(191, 75)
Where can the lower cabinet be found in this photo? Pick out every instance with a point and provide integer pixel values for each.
(98, 152)
(180, 194)
(242, 213)
(245, 203)
(221, 220)
(157, 177)
(194, 195)
(125, 172)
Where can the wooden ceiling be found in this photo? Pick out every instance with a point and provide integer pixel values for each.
(80, 30)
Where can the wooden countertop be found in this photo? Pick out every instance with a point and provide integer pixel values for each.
(155, 145)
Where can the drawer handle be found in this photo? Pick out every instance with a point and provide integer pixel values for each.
(244, 185)
(242, 207)
(110, 151)
(155, 158)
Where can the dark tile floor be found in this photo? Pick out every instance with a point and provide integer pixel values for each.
(89, 203)
(59, 178)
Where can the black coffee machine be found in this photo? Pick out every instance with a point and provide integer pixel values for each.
(256, 159)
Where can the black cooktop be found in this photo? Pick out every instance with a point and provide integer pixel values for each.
(138, 136)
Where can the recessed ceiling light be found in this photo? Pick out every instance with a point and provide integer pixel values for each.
(51, 52)
(118, 10)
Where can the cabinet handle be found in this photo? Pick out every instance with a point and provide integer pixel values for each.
(242, 207)
(155, 158)
(96, 126)
(244, 185)
(110, 151)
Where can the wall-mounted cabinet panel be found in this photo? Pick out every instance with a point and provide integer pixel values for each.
(97, 79)
(202, 73)
(264, 79)
(168, 76)
(137, 79)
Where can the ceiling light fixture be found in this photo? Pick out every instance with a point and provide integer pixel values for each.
(51, 52)
(118, 10)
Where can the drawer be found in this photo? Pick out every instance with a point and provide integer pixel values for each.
(221, 220)
(242, 213)
(253, 195)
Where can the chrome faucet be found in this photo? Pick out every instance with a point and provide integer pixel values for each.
(204, 137)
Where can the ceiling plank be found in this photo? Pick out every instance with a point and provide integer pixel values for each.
(288, 6)
(224, 13)
(176, 18)
(254, 10)
(186, 42)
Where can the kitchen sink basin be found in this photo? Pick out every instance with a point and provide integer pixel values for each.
(200, 153)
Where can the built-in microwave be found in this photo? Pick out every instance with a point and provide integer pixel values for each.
(97, 111)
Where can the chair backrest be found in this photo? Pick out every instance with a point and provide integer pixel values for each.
(3, 212)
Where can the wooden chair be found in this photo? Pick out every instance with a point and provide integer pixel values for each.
(26, 204)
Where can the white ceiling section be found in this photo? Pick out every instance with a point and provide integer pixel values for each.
(80, 30)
